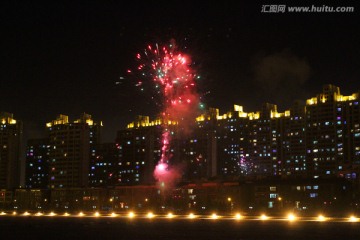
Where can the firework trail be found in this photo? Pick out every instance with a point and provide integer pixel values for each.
(175, 92)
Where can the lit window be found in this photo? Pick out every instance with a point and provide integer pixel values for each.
(273, 195)
(313, 195)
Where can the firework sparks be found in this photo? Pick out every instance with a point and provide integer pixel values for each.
(245, 165)
(173, 82)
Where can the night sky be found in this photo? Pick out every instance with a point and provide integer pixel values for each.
(69, 58)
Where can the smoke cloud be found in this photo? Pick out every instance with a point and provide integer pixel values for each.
(280, 76)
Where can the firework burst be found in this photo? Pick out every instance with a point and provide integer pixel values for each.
(173, 89)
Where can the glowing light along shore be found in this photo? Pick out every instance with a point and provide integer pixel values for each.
(191, 216)
(174, 81)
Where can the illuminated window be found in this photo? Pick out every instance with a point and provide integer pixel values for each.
(273, 195)
(272, 188)
(313, 195)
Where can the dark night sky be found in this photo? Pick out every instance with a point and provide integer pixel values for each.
(66, 57)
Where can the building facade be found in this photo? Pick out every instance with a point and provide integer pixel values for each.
(37, 163)
(72, 145)
(10, 149)
(139, 151)
(333, 133)
(104, 165)
(316, 139)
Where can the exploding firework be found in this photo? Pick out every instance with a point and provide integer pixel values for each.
(246, 166)
(173, 81)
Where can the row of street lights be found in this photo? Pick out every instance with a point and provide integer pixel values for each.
(150, 215)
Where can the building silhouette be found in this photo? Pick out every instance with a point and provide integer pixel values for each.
(316, 139)
(333, 133)
(37, 163)
(319, 138)
(307, 157)
(72, 145)
(104, 165)
(139, 151)
(10, 147)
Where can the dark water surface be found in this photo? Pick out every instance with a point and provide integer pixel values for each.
(199, 229)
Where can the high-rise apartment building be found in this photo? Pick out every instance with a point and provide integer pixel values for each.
(318, 139)
(139, 151)
(264, 135)
(352, 138)
(203, 142)
(192, 155)
(37, 163)
(292, 137)
(231, 130)
(332, 133)
(72, 145)
(10, 147)
(104, 165)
